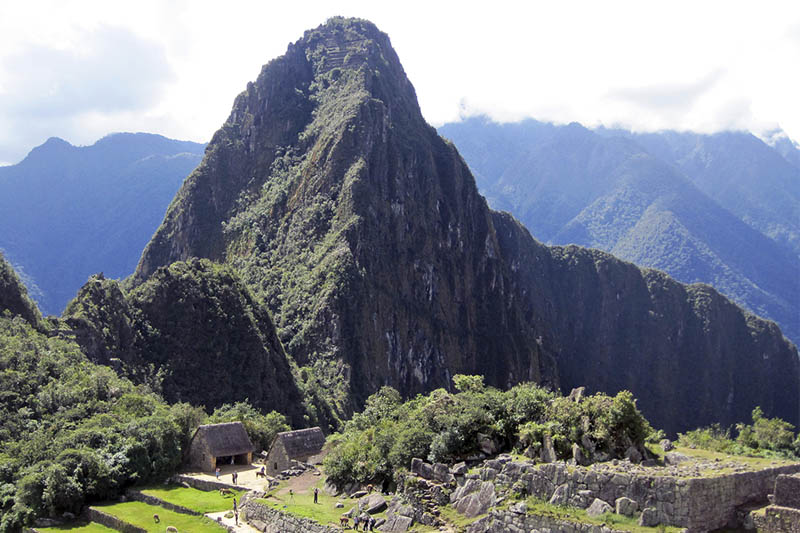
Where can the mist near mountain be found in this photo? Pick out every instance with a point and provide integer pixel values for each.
(68, 212)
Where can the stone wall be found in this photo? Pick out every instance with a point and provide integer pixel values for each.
(787, 491)
(152, 500)
(96, 515)
(511, 522)
(778, 519)
(700, 504)
(265, 518)
(202, 484)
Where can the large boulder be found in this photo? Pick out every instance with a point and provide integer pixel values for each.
(441, 473)
(459, 469)
(560, 495)
(396, 523)
(372, 503)
(486, 444)
(626, 507)
(649, 517)
(548, 453)
(478, 502)
(421, 468)
(675, 458)
(598, 508)
(633, 455)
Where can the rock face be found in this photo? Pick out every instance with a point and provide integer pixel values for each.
(363, 233)
(683, 203)
(198, 322)
(13, 295)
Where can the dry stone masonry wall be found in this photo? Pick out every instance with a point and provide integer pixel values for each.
(700, 504)
(269, 520)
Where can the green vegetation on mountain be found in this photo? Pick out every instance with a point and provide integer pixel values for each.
(68, 212)
(362, 233)
(661, 200)
(767, 437)
(14, 299)
(193, 327)
(449, 427)
(72, 431)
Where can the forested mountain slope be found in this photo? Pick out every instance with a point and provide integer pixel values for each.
(363, 234)
(571, 185)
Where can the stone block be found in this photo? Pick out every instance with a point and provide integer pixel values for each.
(397, 523)
(442, 474)
(675, 458)
(625, 506)
(560, 495)
(787, 491)
(598, 508)
(372, 503)
(421, 468)
(649, 517)
(459, 469)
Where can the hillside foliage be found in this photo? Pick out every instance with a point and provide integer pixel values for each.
(73, 432)
(447, 427)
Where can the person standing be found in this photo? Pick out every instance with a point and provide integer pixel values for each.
(216, 472)
(316, 494)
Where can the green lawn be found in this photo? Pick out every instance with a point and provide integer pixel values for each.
(201, 501)
(140, 514)
(324, 512)
(81, 527)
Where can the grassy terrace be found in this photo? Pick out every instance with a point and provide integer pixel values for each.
(141, 515)
(573, 514)
(81, 527)
(706, 461)
(197, 500)
(301, 503)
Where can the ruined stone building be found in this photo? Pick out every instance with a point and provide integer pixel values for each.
(303, 445)
(215, 445)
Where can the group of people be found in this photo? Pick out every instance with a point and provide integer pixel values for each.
(367, 523)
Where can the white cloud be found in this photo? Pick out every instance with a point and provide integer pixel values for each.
(679, 64)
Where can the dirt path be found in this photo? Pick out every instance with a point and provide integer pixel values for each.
(230, 522)
(301, 484)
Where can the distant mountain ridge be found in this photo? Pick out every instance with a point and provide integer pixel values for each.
(683, 203)
(361, 231)
(67, 212)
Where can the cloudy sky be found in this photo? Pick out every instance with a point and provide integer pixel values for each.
(82, 69)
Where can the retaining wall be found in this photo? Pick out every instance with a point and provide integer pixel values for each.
(95, 515)
(510, 522)
(699, 504)
(152, 500)
(203, 484)
(272, 520)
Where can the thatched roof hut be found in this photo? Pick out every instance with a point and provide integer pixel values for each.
(303, 445)
(216, 444)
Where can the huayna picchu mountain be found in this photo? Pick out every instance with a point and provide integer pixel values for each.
(363, 234)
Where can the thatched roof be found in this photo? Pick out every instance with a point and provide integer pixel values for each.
(225, 439)
(302, 442)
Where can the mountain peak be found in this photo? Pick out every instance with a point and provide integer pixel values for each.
(363, 234)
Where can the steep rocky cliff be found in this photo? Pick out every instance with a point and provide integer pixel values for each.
(197, 322)
(14, 298)
(364, 235)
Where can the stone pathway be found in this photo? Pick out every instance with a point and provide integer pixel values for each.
(229, 522)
